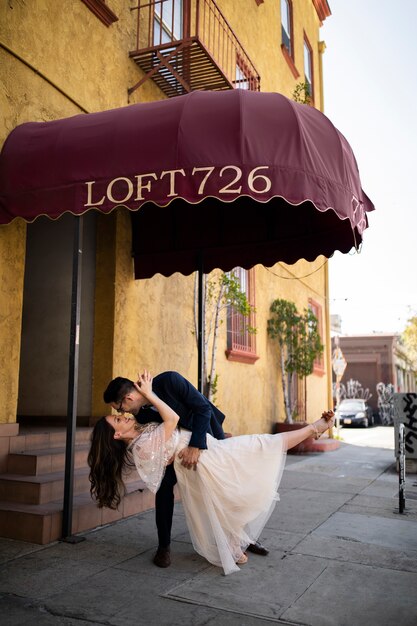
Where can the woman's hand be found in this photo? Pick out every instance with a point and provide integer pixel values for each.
(168, 415)
(144, 384)
(327, 415)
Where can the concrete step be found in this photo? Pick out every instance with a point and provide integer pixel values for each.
(38, 462)
(28, 489)
(47, 438)
(42, 523)
(40, 489)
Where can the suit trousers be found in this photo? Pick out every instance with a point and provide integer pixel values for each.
(164, 506)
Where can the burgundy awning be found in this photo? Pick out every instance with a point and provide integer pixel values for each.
(242, 177)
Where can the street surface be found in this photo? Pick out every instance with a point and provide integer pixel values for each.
(374, 437)
(340, 555)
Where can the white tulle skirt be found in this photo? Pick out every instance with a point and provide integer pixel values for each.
(231, 496)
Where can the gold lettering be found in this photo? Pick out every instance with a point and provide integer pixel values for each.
(172, 173)
(90, 195)
(110, 189)
(141, 186)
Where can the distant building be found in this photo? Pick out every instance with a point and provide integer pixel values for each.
(335, 324)
(376, 358)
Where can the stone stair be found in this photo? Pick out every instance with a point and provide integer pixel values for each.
(31, 490)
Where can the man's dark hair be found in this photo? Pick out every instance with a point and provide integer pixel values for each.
(117, 389)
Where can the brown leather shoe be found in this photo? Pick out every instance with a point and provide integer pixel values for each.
(257, 548)
(162, 557)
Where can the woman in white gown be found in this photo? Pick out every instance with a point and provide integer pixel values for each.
(227, 500)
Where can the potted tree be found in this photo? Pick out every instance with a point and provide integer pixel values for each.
(299, 345)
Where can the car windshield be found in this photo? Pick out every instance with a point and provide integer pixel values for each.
(351, 405)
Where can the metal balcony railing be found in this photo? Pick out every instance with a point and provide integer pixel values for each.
(184, 45)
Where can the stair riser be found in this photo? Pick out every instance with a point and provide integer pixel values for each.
(35, 493)
(42, 441)
(43, 529)
(34, 465)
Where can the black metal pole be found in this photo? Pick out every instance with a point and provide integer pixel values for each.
(201, 315)
(73, 380)
(401, 474)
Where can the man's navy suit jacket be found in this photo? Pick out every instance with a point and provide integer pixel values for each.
(196, 412)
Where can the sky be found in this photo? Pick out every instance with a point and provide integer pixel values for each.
(370, 95)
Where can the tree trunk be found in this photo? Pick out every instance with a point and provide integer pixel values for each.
(214, 345)
(305, 398)
(285, 390)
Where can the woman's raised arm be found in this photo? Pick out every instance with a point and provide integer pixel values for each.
(168, 415)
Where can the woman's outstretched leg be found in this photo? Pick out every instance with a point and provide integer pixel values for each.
(294, 437)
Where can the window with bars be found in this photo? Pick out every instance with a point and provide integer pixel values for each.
(168, 21)
(316, 308)
(241, 343)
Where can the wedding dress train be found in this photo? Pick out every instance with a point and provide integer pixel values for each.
(229, 498)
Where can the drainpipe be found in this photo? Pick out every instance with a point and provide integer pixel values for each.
(328, 338)
(322, 48)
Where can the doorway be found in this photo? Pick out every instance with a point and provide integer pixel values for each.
(45, 338)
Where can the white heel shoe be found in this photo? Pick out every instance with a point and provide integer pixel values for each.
(242, 560)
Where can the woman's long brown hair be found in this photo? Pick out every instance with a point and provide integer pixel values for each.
(107, 458)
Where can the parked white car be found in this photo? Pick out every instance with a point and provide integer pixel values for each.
(355, 411)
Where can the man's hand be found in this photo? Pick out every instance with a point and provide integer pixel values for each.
(189, 457)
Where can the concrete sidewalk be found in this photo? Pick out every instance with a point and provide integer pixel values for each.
(340, 555)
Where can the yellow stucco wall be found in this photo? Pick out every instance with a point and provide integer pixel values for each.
(12, 255)
(56, 63)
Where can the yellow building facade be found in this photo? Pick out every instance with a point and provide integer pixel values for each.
(61, 59)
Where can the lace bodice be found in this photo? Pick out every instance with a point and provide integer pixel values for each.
(151, 453)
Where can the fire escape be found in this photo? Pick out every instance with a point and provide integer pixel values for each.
(185, 45)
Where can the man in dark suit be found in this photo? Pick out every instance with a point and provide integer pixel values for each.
(196, 414)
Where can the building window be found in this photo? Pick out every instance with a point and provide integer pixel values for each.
(308, 67)
(241, 344)
(287, 45)
(286, 26)
(242, 81)
(244, 77)
(168, 21)
(316, 308)
(102, 11)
